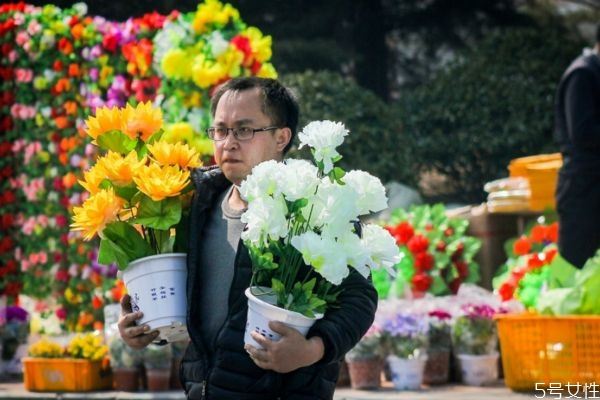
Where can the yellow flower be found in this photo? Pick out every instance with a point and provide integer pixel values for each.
(93, 178)
(118, 169)
(260, 45)
(88, 346)
(46, 348)
(72, 297)
(176, 64)
(203, 145)
(160, 182)
(231, 61)
(267, 71)
(213, 11)
(106, 119)
(194, 99)
(174, 154)
(97, 211)
(206, 73)
(178, 132)
(142, 121)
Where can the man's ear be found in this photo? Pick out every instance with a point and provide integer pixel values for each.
(283, 137)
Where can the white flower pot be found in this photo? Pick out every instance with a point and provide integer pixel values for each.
(157, 286)
(407, 373)
(261, 310)
(478, 370)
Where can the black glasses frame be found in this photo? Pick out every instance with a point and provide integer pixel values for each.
(236, 132)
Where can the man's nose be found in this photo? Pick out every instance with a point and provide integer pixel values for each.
(230, 141)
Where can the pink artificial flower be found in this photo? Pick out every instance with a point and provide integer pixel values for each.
(22, 38)
(24, 75)
(34, 27)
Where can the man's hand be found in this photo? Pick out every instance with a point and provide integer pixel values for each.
(291, 352)
(134, 336)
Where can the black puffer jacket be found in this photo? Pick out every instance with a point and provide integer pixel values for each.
(223, 370)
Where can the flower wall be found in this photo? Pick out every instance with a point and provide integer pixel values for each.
(57, 67)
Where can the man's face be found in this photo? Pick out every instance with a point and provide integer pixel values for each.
(237, 158)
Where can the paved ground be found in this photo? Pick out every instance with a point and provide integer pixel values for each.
(15, 391)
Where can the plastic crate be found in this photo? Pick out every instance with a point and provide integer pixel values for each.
(66, 375)
(546, 350)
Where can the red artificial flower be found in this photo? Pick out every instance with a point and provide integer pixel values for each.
(424, 261)
(61, 221)
(449, 232)
(421, 282)
(6, 124)
(538, 233)
(255, 68)
(74, 70)
(97, 302)
(550, 254)
(6, 221)
(7, 73)
(552, 233)
(458, 252)
(243, 44)
(534, 261)
(440, 246)
(455, 284)
(62, 275)
(65, 46)
(7, 171)
(146, 89)
(110, 43)
(462, 268)
(13, 289)
(7, 98)
(61, 313)
(57, 65)
(11, 7)
(417, 244)
(57, 257)
(522, 246)
(518, 273)
(506, 291)
(403, 232)
(9, 197)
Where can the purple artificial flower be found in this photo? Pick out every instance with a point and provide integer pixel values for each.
(16, 313)
(404, 325)
(94, 74)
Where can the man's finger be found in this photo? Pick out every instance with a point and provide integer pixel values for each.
(126, 304)
(259, 356)
(129, 319)
(261, 340)
(137, 331)
(140, 342)
(281, 328)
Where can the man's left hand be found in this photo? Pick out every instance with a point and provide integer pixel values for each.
(289, 353)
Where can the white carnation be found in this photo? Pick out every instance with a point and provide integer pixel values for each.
(300, 180)
(266, 179)
(383, 247)
(323, 137)
(334, 207)
(265, 219)
(371, 193)
(218, 44)
(323, 254)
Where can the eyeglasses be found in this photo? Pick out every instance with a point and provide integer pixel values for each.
(242, 133)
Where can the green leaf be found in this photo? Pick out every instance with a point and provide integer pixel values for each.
(126, 192)
(123, 243)
(116, 141)
(105, 184)
(155, 137)
(160, 215)
(336, 175)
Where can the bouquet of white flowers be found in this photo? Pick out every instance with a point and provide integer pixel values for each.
(303, 221)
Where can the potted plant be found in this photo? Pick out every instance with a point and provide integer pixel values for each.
(157, 362)
(437, 255)
(365, 362)
(437, 367)
(139, 190)
(125, 362)
(303, 233)
(405, 338)
(475, 340)
(80, 366)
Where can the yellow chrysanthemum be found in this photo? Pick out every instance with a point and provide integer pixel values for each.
(72, 298)
(206, 73)
(142, 121)
(267, 71)
(96, 212)
(46, 348)
(118, 169)
(231, 61)
(181, 154)
(176, 64)
(106, 120)
(87, 346)
(92, 179)
(159, 182)
(193, 99)
(213, 11)
(178, 132)
(261, 45)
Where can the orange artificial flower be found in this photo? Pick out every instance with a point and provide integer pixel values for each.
(85, 319)
(538, 233)
(552, 232)
(63, 85)
(64, 160)
(77, 31)
(67, 144)
(98, 326)
(69, 180)
(70, 107)
(522, 246)
(96, 279)
(97, 302)
(62, 122)
(74, 70)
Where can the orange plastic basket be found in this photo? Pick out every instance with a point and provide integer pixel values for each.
(66, 375)
(546, 350)
(518, 166)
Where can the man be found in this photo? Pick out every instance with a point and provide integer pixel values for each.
(578, 134)
(254, 120)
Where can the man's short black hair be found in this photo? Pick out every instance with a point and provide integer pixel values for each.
(279, 103)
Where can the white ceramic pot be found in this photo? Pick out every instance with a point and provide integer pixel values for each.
(478, 370)
(407, 373)
(157, 286)
(261, 310)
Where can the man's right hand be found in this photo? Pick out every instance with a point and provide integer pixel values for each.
(133, 335)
